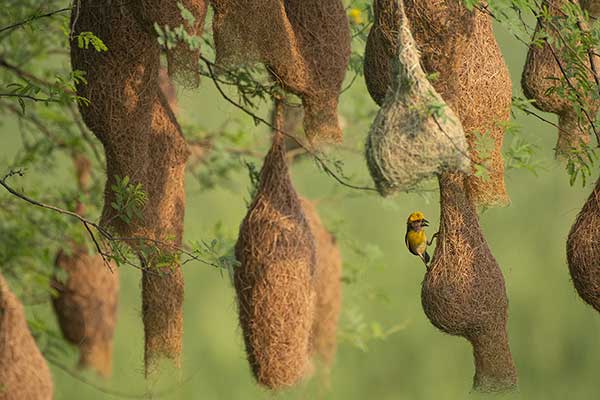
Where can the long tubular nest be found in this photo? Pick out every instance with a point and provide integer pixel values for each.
(274, 282)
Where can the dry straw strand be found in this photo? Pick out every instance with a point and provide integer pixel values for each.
(472, 77)
(408, 142)
(305, 44)
(86, 306)
(142, 140)
(274, 283)
(328, 275)
(24, 374)
(543, 69)
(583, 250)
(463, 292)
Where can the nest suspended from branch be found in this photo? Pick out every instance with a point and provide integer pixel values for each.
(274, 283)
(142, 141)
(415, 135)
(328, 275)
(583, 250)
(24, 374)
(381, 49)
(182, 60)
(305, 44)
(473, 79)
(86, 306)
(544, 70)
(463, 291)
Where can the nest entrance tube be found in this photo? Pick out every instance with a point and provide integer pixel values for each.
(274, 282)
(583, 251)
(24, 373)
(463, 292)
(143, 141)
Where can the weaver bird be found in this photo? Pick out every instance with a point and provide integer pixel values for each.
(415, 238)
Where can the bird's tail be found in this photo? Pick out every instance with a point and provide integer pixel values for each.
(426, 258)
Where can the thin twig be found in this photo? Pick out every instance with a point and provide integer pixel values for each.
(105, 233)
(33, 18)
(260, 119)
(26, 96)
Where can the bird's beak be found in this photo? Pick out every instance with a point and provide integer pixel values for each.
(425, 223)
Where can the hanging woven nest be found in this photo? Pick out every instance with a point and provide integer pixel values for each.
(415, 136)
(142, 140)
(86, 306)
(381, 49)
(544, 71)
(182, 60)
(305, 44)
(463, 291)
(328, 282)
(274, 282)
(583, 251)
(24, 374)
(460, 48)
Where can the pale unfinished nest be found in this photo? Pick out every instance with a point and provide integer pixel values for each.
(415, 135)
(583, 250)
(142, 140)
(305, 44)
(544, 70)
(274, 282)
(328, 287)
(463, 291)
(473, 79)
(86, 306)
(24, 374)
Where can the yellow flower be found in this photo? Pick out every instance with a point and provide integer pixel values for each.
(356, 16)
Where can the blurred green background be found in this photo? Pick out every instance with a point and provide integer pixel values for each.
(554, 337)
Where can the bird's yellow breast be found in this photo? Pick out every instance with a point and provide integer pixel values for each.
(416, 241)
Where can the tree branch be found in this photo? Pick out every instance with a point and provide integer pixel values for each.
(259, 119)
(33, 18)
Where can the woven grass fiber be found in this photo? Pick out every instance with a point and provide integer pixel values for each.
(583, 250)
(168, 88)
(274, 283)
(142, 140)
(542, 72)
(24, 374)
(328, 275)
(182, 61)
(305, 44)
(463, 292)
(408, 142)
(592, 7)
(473, 79)
(86, 306)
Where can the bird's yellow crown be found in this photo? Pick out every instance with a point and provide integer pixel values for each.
(416, 216)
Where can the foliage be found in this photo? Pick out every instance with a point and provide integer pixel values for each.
(130, 199)
(576, 42)
(38, 91)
